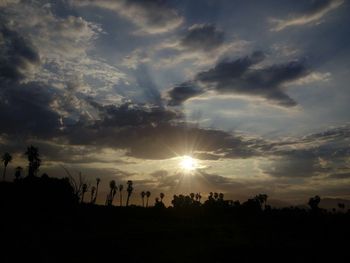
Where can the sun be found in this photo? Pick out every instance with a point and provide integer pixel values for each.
(188, 164)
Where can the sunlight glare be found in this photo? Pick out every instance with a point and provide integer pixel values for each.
(188, 164)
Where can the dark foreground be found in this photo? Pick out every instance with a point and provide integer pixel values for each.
(36, 227)
(97, 234)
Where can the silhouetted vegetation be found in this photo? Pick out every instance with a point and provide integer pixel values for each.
(6, 158)
(60, 212)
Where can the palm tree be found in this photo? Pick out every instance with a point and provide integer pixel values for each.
(93, 190)
(143, 198)
(161, 197)
(98, 180)
(192, 196)
(198, 197)
(84, 189)
(148, 194)
(120, 194)
(33, 159)
(18, 172)
(314, 202)
(113, 189)
(129, 190)
(262, 199)
(6, 158)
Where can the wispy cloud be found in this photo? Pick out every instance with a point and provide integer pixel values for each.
(313, 14)
(150, 17)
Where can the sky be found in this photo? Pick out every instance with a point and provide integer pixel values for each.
(256, 92)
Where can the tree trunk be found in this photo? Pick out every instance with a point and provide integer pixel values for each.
(127, 200)
(96, 194)
(147, 202)
(121, 198)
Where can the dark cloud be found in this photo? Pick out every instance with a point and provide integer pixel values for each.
(324, 153)
(183, 92)
(205, 37)
(239, 77)
(340, 176)
(17, 55)
(130, 114)
(25, 109)
(161, 141)
(152, 133)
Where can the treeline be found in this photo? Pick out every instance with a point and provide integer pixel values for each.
(73, 191)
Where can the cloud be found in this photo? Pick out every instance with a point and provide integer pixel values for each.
(25, 110)
(4, 3)
(65, 46)
(204, 37)
(151, 16)
(320, 154)
(17, 55)
(316, 11)
(183, 92)
(152, 133)
(201, 44)
(240, 77)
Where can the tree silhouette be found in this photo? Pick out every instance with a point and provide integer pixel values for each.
(94, 197)
(84, 189)
(93, 191)
(161, 197)
(192, 195)
(216, 196)
(261, 199)
(341, 206)
(143, 198)
(148, 194)
(129, 189)
(76, 184)
(33, 159)
(121, 194)
(113, 190)
(198, 197)
(18, 173)
(314, 202)
(6, 159)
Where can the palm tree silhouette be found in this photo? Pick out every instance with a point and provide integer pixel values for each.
(18, 172)
(84, 189)
(33, 159)
(161, 197)
(192, 195)
(314, 202)
(98, 180)
(143, 198)
(120, 194)
(148, 194)
(198, 197)
(113, 189)
(93, 190)
(129, 190)
(6, 158)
